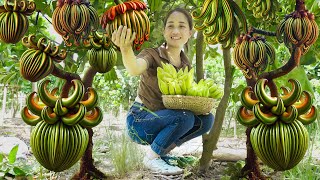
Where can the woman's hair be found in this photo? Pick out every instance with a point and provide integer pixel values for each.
(183, 11)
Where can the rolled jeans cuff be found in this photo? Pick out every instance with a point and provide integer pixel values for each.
(158, 149)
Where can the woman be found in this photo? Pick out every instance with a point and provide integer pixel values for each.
(168, 128)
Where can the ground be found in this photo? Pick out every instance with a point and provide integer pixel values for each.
(229, 150)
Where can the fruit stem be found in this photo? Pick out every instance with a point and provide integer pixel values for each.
(88, 78)
(67, 76)
(260, 31)
(293, 62)
(300, 5)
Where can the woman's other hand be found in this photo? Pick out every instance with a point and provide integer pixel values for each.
(123, 38)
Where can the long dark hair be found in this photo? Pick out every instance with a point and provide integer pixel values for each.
(183, 11)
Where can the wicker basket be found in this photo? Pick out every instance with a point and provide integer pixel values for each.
(198, 105)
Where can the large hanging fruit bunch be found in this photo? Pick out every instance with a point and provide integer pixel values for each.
(252, 54)
(38, 61)
(102, 55)
(172, 82)
(130, 14)
(298, 29)
(220, 21)
(278, 136)
(74, 19)
(59, 138)
(265, 9)
(13, 19)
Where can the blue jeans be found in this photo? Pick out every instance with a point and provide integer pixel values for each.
(168, 127)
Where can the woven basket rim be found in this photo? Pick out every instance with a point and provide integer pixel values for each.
(183, 96)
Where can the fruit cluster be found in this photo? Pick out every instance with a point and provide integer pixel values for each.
(13, 19)
(220, 21)
(102, 56)
(298, 28)
(130, 14)
(74, 19)
(278, 136)
(265, 9)
(253, 54)
(60, 136)
(38, 61)
(173, 82)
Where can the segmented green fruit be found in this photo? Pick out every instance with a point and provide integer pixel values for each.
(280, 146)
(220, 21)
(35, 65)
(13, 19)
(58, 147)
(265, 9)
(37, 62)
(102, 60)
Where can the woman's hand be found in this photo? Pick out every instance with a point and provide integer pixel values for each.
(123, 37)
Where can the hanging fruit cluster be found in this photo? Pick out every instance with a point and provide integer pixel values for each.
(74, 19)
(280, 139)
(38, 61)
(220, 21)
(172, 82)
(265, 9)
(298, 28)
(252, 54)
(60, 138)
(130, 14)
(13, 19)
(102, 55)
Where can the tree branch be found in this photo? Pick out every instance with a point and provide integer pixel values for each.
(285, 69)
(260, 31)
(88, 77)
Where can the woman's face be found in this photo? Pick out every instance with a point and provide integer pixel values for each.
(177, 31)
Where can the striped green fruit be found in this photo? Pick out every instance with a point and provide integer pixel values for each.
(102, 60)
(280, 146)
(57, 146)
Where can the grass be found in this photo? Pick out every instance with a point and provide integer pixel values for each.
(124, 155)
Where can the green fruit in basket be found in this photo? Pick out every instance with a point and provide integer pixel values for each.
(189, 80)
(191, 92)
(177, 88)
(180, 73)
(183, 87)
(209, 82)
(171, 88)
(163, 86)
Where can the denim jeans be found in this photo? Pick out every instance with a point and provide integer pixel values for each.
(166, 127)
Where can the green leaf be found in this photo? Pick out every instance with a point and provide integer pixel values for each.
(299, 74)
(1, 158)
(18, 171)
(308, 58)
(13, 154)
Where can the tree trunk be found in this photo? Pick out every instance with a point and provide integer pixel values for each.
(210, 140)
(4, 102)
(199, 56)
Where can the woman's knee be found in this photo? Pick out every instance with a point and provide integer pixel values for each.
(207, 122)
(185, 118)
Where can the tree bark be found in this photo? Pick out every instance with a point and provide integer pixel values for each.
(210, 141)
(87, 168)
(199, 56)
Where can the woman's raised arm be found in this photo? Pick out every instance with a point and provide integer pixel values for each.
(123, 38)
